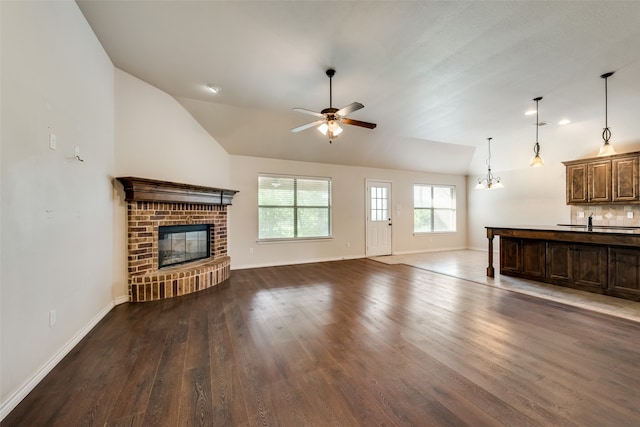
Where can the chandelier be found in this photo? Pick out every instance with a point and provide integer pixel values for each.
(489, 182)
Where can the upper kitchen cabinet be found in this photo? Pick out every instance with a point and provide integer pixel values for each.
(599, 180)
(625, 179)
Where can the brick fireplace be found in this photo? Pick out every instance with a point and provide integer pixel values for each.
(153, 204)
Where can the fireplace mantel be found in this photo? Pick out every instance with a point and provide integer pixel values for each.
(151, 190)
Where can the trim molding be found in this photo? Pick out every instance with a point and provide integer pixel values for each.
(120, 300)
(304, 261)
(13, 399)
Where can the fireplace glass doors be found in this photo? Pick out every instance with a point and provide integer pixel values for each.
(182, 243)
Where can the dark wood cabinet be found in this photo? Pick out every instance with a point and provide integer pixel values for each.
(599, 181)
(614, 179)
(624, 173)
(624, 273)
(605, 262)
(577, 265)
(559, 262)
(510, 255)
(577, 184)
(589, 182)
(522, 257)
(590, 267)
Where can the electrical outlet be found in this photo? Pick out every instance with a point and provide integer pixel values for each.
(630, 214)
(53, 141)
(580, 214)
(251, 251)
(52, 318)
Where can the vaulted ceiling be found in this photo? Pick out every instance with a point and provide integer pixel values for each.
(437, 77)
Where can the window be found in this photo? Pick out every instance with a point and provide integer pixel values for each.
(434, 208)
(293, 207)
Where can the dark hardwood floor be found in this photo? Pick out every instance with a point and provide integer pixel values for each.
(347, 343)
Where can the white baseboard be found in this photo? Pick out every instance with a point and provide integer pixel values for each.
(121, 300)
(304, 261)
(16, 397)
(422, 251)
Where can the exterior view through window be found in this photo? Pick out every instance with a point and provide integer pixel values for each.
(434, 208)
(291, 207)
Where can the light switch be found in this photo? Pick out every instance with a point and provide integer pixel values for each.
(630, 214)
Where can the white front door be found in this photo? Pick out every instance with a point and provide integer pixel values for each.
(378, 218)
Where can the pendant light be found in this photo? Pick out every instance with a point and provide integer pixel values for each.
(606, 149)
(537, 161)
(489, 182)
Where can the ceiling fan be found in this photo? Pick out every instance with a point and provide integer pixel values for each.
(329, 124)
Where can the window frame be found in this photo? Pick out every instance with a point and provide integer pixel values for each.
(296, 207)
(432, 209)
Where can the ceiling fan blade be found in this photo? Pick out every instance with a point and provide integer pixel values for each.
(307, 126)
(354, 106)
(367, 125)
(305, 111)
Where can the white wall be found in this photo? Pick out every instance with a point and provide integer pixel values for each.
(56, 211)
(157, 138)
(348, 197)
(532, 196)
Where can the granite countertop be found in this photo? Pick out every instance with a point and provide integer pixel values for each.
(577, 228)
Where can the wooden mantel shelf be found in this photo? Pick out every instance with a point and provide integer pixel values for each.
(151, 190)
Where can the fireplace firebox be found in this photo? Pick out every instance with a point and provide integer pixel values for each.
(179, 244)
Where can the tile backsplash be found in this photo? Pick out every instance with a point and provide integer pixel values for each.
(612, 215)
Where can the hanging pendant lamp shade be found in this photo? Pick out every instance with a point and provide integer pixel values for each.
(606, 149)
(537, 161)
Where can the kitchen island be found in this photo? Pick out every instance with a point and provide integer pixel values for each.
(604, 260)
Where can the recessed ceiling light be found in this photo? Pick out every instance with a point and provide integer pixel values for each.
(564, 122)
(213, 88)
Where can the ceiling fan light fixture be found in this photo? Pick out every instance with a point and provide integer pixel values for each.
(331, 118)
(334, 126)
(323, 128)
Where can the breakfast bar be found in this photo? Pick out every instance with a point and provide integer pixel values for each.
(602, 259)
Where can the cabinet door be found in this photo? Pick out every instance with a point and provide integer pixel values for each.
(533, 258)
(510, 255)
(624, 273)
(577, 183)
(625, 179)
(559, 262)
(599, 179)
(590, 267)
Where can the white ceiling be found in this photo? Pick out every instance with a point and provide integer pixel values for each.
(437, 77)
